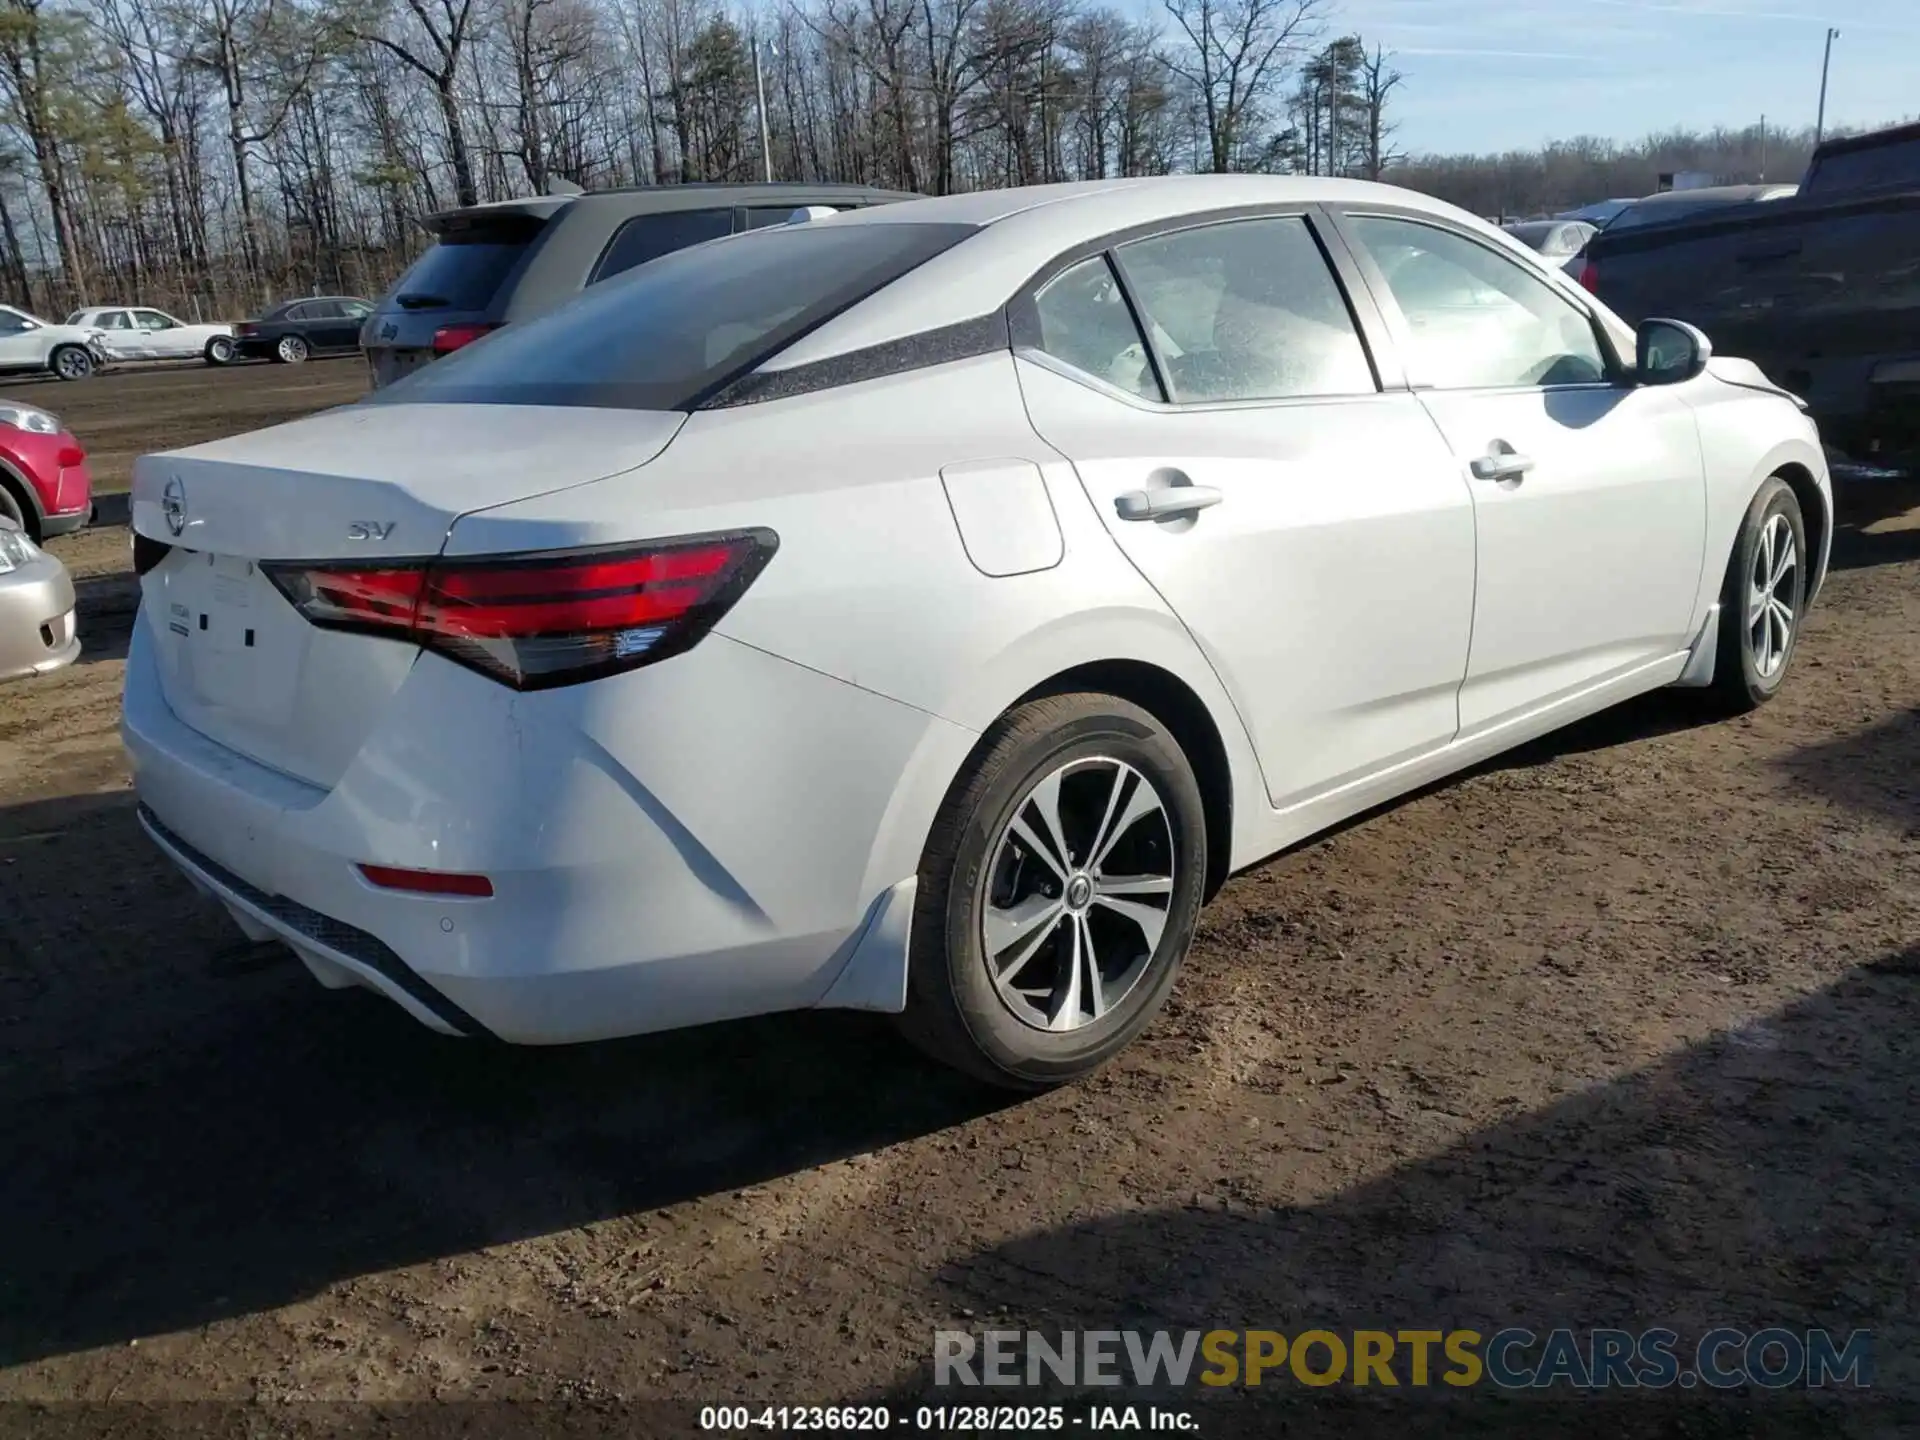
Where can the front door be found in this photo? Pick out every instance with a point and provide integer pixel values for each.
(1309, 529)
(1589, 493)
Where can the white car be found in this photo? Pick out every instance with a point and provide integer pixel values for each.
(924, 610)
(128, 332)
(28, 343)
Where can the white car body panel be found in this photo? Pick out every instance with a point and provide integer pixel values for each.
(738, 828)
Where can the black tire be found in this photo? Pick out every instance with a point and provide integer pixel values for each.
(1744, 676)
(220, 351)
(292, 350)
(71, 362)
(24, 516)
(954, 1011)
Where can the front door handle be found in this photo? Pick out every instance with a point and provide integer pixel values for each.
(1164, 504)
(1500, 465)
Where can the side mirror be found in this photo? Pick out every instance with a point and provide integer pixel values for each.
(1669, 352)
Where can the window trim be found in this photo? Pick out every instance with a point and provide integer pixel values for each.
(596, 272)
(1378, 343)
(1393, 318)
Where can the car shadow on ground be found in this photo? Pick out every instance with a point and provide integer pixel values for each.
(1762, 1178)
(1886, 503)
(193, 1129)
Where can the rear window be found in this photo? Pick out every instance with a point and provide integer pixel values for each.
(648, 237)
(1896, 162)
(464, 268)
(666, 335)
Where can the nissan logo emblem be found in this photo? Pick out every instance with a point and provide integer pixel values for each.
(173, 505)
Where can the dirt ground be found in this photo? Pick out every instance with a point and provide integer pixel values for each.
(1621, 1030)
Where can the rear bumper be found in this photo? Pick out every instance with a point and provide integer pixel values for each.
(37, 631)
(715, 867)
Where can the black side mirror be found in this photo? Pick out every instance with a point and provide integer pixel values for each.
(1669, 352)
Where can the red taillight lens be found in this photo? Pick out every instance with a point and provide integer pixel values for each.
(1590, 277)
(429, 882)
(70, 455)
(536, 621)
(449, 338)
(244, 329)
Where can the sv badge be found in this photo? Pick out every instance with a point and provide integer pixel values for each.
(369, 529)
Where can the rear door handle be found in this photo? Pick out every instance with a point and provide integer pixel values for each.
(1500, 465)
(1166, 503)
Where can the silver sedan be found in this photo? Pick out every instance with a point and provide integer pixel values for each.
(37, 631)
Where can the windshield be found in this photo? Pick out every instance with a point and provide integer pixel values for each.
(662, 336)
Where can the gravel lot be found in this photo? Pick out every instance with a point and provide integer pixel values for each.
(1618, 1031)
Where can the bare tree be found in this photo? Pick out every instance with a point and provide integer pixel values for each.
(1235, 53)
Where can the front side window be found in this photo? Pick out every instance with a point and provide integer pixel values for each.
(1247, 310)
(648, 237)
(14, 323)
(1085, 321)
(664, 336)
(1475, 319)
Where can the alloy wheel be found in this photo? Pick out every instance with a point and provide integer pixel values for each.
(1772, 595)
(1078, 892)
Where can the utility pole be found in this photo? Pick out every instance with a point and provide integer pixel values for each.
(1820, 123)
(760, 87)
(1763, 147)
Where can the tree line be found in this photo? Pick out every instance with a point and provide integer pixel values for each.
(208, 156)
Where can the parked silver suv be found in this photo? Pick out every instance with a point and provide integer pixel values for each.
(493, 264)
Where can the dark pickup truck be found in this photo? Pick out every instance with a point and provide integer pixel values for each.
(1820, 290)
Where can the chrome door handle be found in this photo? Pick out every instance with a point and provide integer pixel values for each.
(1165, 503)
(1500, 465)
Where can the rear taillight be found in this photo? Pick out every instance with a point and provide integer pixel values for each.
(1590, 277)
(449, 338)
(244, 329)
(536, 621)
(69, 455)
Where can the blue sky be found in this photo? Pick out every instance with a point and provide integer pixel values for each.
(1488, 75)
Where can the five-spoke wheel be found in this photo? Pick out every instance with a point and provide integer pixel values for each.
(1763, 599)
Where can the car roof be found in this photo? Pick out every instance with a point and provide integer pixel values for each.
(659, 199)
(1711, 193)
(1022, 229)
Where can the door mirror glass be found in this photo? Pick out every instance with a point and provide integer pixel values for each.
(1668, 352)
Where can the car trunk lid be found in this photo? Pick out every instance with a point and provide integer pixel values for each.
(365, 483)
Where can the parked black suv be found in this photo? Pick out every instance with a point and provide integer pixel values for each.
(494, 264)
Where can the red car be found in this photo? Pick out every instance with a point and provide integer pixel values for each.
(44, 484)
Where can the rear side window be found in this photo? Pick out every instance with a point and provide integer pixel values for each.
(648, 237)
(672, 332)
(1870, 168)
(1086, 322)
(1247, 310)
(464, 268)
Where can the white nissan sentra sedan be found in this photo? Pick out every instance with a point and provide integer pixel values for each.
(924, 610)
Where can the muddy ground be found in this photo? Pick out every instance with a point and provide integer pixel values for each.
(1621, 1030)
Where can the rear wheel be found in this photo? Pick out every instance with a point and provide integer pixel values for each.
(291, 350)
(1058, 893)
(219, 351)
(71, 362)
(1762, 601)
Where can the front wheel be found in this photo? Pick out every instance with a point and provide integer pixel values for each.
(1058, 893)
(71, 362)
(291, 350)
(1763, 600)
(219, 351)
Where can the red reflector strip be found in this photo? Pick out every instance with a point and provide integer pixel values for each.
(429, 882)
(72, 455)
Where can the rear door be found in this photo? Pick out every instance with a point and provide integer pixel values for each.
(1589, 493)
(1325, 564)
(461, 281)
(123, 340)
